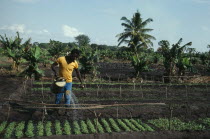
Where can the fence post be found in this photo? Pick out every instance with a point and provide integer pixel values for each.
(24, 85)
(97, 89)
(8, 112)
(119, 77)
(31, 85)
(171, 115)
(117, 111)
(166, 92)
(142, 94)
(120, 91)
(186, 91)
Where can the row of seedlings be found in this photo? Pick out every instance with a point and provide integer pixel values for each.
(48, 128)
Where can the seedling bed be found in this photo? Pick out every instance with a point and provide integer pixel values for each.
(94, 126)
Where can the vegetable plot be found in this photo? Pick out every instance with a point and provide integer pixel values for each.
(176, 124)
(48, 128)
(88, 126)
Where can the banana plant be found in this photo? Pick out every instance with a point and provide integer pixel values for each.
(183, 64)
(1, 51)
(140, 63)
(173, 56)
(88, 61)
(33, 57)
(14, 49)
(123, 53)
(208, 59)
(47, 57)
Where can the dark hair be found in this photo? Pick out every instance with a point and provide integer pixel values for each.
(75, 51)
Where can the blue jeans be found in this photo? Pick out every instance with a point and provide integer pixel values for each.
(66, 91)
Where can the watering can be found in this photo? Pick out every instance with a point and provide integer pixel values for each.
(58, 84)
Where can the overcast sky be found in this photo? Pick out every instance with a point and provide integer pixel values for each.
(62, 20)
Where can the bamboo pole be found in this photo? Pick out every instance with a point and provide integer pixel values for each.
(44, 103)
(98, 106)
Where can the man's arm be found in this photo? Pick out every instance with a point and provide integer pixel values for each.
(79, 76)
(53, 68)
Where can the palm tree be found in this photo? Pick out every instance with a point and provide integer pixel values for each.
(136, 36)
(135, 33)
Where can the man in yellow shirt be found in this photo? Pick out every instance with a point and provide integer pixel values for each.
(66, 66)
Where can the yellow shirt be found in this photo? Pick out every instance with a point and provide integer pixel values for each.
(65, 69)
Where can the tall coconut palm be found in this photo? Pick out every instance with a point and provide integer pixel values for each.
(135, 33)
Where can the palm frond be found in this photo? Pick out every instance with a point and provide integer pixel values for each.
(122, 40)
(123, 34)
(144, 30)
(144, 23)
(126, 20)
(127, 26)
(149, 37)
(135, 33)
